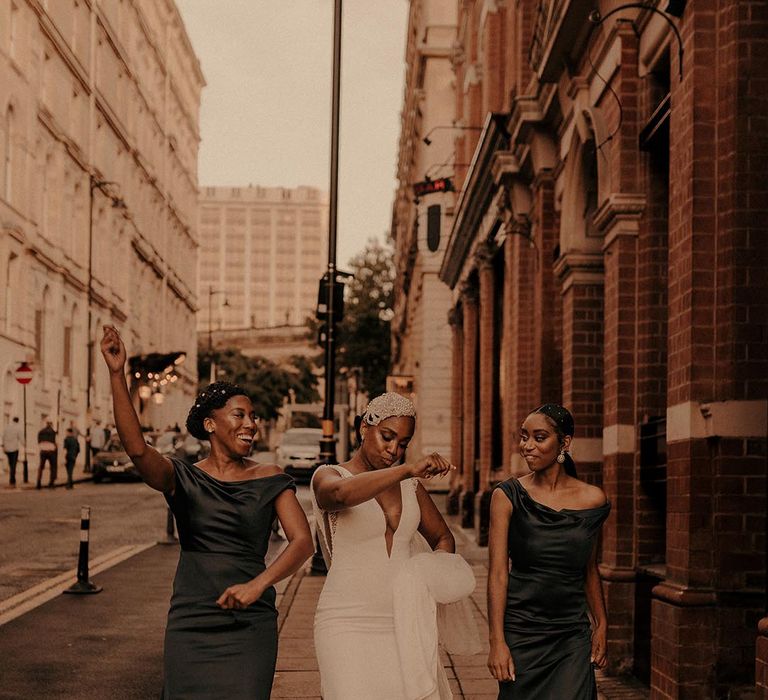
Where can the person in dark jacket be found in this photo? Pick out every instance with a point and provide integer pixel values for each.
(71, 450)
(46, 444)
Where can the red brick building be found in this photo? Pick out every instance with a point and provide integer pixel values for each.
(608, 251)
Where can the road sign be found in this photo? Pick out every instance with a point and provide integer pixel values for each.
(23, 373)
(442, 184)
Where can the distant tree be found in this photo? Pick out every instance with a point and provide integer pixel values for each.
(268, 383)
(363, 334)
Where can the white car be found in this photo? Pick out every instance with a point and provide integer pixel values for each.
(299, 451)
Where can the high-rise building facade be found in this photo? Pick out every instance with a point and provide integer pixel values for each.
(420, 226)
(262, 253)
(99, 138)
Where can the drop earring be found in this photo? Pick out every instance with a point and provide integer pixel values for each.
(561, 458)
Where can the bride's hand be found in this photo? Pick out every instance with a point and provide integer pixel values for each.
(430, 466)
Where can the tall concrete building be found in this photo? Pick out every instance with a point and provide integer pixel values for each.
(99, 138)
(262, 253)
(420, 225)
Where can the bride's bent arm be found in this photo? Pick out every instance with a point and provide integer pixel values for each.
(432, 526)
(333, 492)
(156, 470)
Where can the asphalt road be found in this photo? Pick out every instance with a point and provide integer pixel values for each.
(40, 530)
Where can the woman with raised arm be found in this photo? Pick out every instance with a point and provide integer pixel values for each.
(375, 625)
(221, 636)
(543, 582)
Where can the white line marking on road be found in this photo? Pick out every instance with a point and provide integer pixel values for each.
(23, 602)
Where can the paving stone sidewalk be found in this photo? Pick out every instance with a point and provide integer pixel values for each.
(297, 675)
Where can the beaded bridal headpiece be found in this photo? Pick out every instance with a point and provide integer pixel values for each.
(389, 405)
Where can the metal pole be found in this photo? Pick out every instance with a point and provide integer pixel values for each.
(89, 361)
(327, 444)
(210, 319)
(26, 462)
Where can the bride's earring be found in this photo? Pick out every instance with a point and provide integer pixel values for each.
(561, 457)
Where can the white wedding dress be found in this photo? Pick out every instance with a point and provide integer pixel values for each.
(355, 641)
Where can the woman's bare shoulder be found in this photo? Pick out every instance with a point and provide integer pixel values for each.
(590, 496)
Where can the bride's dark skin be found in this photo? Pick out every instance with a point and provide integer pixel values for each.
(377, 474)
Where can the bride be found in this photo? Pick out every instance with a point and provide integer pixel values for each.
(369, 512)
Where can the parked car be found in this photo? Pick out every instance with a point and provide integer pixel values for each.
(182, 445)
(299, 452)
(113, 463)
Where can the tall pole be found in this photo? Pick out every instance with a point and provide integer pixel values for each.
(26, 450)
(328, 444)
(93, 183)
(210, 319)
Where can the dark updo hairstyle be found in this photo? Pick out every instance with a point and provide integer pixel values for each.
(212, 397)
(561, 420)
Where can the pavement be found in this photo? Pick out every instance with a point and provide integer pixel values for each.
(110, 644)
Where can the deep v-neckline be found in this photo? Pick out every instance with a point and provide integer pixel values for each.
(388, 548)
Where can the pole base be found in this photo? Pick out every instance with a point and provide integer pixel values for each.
(83, 588)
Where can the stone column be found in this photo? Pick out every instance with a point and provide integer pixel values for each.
(469, 411)
(457, 341)
(484, 261)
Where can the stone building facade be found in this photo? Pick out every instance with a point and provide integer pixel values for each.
(99, 138)
(607, 252)
(420, 226)
(262, 253)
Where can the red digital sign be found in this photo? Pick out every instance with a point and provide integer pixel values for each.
(442, 184)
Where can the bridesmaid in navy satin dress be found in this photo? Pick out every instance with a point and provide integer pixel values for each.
(543, 580)
(221, 636)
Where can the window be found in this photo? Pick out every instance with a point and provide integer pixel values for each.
(7, 153)
(67, 364)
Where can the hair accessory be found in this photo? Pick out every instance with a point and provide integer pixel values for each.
(388, 405)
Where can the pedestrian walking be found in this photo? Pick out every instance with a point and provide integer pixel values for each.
(71, 450)
(221, 636)
(546, 524)
(49, 452)
(97, 439)
(371, 512)
(12, 437)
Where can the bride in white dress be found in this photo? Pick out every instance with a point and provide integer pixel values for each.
(369, 511)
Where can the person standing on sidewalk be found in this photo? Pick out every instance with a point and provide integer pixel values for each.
(221, 636)
(12, 437)
(71, 450)
(369, 511)
(49, 452)
(97, 439)
(546, 524)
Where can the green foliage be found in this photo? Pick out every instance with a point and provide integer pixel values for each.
(267, 382)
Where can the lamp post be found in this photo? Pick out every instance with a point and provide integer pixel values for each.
(117, 203)
(428, 140)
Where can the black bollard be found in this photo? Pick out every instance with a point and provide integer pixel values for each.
(170, 537)
(83, 585)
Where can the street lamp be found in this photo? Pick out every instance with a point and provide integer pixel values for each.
(117, 203)
(211, 292)
(428, 140)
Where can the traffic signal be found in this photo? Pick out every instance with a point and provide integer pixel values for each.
(322, 299)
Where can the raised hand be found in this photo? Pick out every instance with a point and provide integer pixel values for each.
(431, 466)
(113, 350)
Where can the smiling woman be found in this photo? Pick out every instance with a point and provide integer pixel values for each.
(221, 637)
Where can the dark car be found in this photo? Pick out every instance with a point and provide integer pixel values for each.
(113, 463)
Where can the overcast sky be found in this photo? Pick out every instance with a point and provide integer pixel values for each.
(265, 115)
